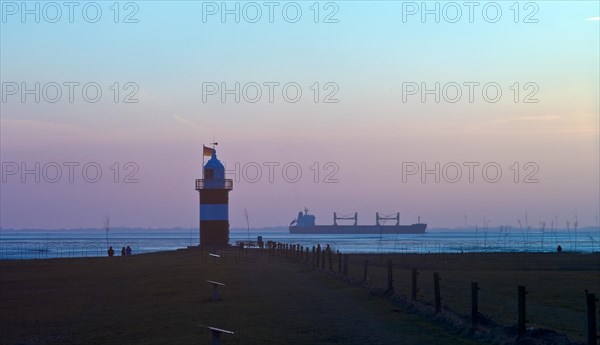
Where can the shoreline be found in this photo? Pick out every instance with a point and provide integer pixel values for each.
(40, 246)
(385, 253)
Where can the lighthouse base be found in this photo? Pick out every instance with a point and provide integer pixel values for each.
(214, 233)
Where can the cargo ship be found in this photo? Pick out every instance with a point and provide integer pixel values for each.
(305, 224)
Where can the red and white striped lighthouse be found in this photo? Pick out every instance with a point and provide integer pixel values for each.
(214, 202)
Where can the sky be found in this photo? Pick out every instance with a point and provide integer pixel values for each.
(432, 109)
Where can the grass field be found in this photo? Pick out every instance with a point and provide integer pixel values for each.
(162, 298)
(555, 283)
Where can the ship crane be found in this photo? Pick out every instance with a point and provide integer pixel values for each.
(336, 217)
(378, 218)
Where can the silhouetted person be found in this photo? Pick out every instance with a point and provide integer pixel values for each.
(123, 252)
(111, 251)
(559, 249)
(128, 250)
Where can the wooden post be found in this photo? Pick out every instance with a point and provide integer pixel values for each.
(214, 296)
(592, 338)
(318, 256)
(474, 303)
(365, 271)
(521, 310)
(345, 270)
(339, 259)
(390, 286)
(414, 284)
(215, 257)
(216, 334)
(436, 290)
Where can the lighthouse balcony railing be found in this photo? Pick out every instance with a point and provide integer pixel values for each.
(214, 184)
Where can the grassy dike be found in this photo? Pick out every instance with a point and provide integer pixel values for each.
(162, 298)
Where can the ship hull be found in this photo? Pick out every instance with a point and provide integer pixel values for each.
(359, 229)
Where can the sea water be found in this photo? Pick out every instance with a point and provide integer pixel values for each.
(45, 244)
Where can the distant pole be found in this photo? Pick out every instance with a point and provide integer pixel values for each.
(436, 288)
(365, 272)
(592, 337)
(521, 310)
(414, 284)
(106, 223)
(474, 303)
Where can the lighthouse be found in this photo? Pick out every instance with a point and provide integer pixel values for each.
(214, 191)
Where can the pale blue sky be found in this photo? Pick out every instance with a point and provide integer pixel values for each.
(368, 54)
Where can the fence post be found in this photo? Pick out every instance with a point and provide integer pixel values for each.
(474, 303)
(339, 259)
(390, 285)
(521, 310)
(345, 270)
(592, 338)
(414, 284)
(318, 255)
(365, 271)
(436, 290)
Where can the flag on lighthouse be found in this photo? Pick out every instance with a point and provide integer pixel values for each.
(207, 151)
